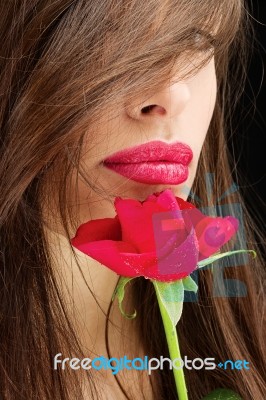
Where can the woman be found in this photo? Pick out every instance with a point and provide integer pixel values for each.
(80, 81)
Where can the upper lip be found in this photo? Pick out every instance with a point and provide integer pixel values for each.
(156, 150)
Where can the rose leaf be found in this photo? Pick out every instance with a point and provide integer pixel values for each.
(210, 260)
(119, 292)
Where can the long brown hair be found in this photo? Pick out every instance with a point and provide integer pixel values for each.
(62, 63)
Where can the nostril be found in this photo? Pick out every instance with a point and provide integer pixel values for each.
(147, 109)
(153, 109)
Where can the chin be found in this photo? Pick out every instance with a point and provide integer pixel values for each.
(140, 191)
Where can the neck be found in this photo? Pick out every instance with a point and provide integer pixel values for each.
(87, 292)
(86, 287)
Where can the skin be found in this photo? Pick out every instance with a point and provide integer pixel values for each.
(183, 113)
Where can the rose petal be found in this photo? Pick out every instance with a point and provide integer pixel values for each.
(174, 264)
(167, 200)
(177, 261)
(184, 205)
(110, 254)
(212, 232)
(98, 229)
(166, 197)
(136, 223)
(169, 226)
(192, 217)
(215, 234)
(139, 241)
(152, 197)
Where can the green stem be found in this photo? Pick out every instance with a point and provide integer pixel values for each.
(173, 346)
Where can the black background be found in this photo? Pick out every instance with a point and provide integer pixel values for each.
(250, 141)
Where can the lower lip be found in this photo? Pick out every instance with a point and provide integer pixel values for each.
(153, 172)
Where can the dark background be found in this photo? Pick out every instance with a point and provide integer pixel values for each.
(250, 141)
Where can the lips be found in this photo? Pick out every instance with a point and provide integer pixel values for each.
(154, 151)
(153, 162)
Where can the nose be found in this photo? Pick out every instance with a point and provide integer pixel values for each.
(167, 103)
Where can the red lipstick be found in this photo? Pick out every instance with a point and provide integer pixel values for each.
(155, 162)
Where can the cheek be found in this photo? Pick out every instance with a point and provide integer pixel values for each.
(208, 86)
(204, 89)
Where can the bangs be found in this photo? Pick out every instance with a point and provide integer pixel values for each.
(159, 37)
(170, 23)
(151, 26)
(131, 48)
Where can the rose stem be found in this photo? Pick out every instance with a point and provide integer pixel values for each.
(173, 346)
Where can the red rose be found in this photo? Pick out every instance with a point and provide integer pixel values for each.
(161, 238)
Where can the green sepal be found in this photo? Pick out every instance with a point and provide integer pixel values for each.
(119, 292)
(222, 394)
(210, 260)
(171, 295)
(189, 284)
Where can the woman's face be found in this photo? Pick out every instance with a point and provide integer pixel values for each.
(182, 113)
